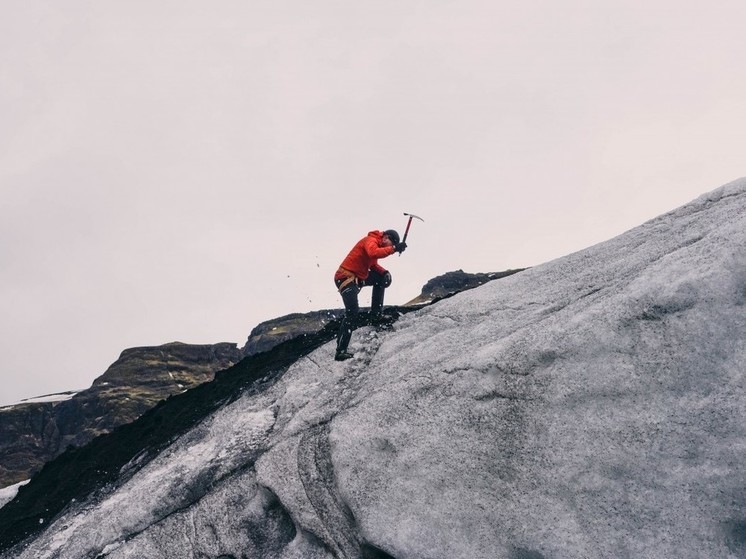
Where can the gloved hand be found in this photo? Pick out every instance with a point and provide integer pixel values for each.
(387, 279)
(400, 247)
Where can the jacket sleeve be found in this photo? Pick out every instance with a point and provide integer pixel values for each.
(376, 252)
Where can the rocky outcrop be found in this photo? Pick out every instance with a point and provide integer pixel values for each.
(33, 433)
(455, 282)
(268, 334)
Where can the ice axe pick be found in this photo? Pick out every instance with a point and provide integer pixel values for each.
(409, 223)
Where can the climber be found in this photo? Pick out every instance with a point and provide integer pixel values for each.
(360, 269)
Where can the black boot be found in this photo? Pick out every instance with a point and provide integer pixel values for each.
(342, 355)
(381, 322)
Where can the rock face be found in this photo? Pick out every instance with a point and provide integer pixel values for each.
(34, 433)
(589, 407)
(455, 282)
(268, 334)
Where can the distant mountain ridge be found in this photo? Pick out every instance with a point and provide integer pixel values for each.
(36, 431)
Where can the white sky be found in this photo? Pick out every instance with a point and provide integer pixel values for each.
(185, 170)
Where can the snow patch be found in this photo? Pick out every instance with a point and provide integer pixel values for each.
(61, 397)
(7, 494)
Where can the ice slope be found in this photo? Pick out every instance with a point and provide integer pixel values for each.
(592, 406)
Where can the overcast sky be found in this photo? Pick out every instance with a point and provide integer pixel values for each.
(181, 171)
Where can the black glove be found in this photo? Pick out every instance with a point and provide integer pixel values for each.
(400, 247)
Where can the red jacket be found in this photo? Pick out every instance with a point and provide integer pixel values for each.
(364, 256)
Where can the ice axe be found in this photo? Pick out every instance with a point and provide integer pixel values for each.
(409, 223)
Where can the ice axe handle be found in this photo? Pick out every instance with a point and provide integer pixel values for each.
(409, 223)
(406, 231)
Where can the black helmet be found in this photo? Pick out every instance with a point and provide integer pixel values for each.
(393, 235)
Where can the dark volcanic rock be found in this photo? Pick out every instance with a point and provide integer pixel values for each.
(29, 436)
(454, 282)
(35, 432)
(272, 332)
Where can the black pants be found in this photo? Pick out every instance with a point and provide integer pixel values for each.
(352, 308)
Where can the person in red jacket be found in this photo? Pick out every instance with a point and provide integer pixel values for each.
(359, 269)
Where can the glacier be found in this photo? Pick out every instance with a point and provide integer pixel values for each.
(591, 406)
